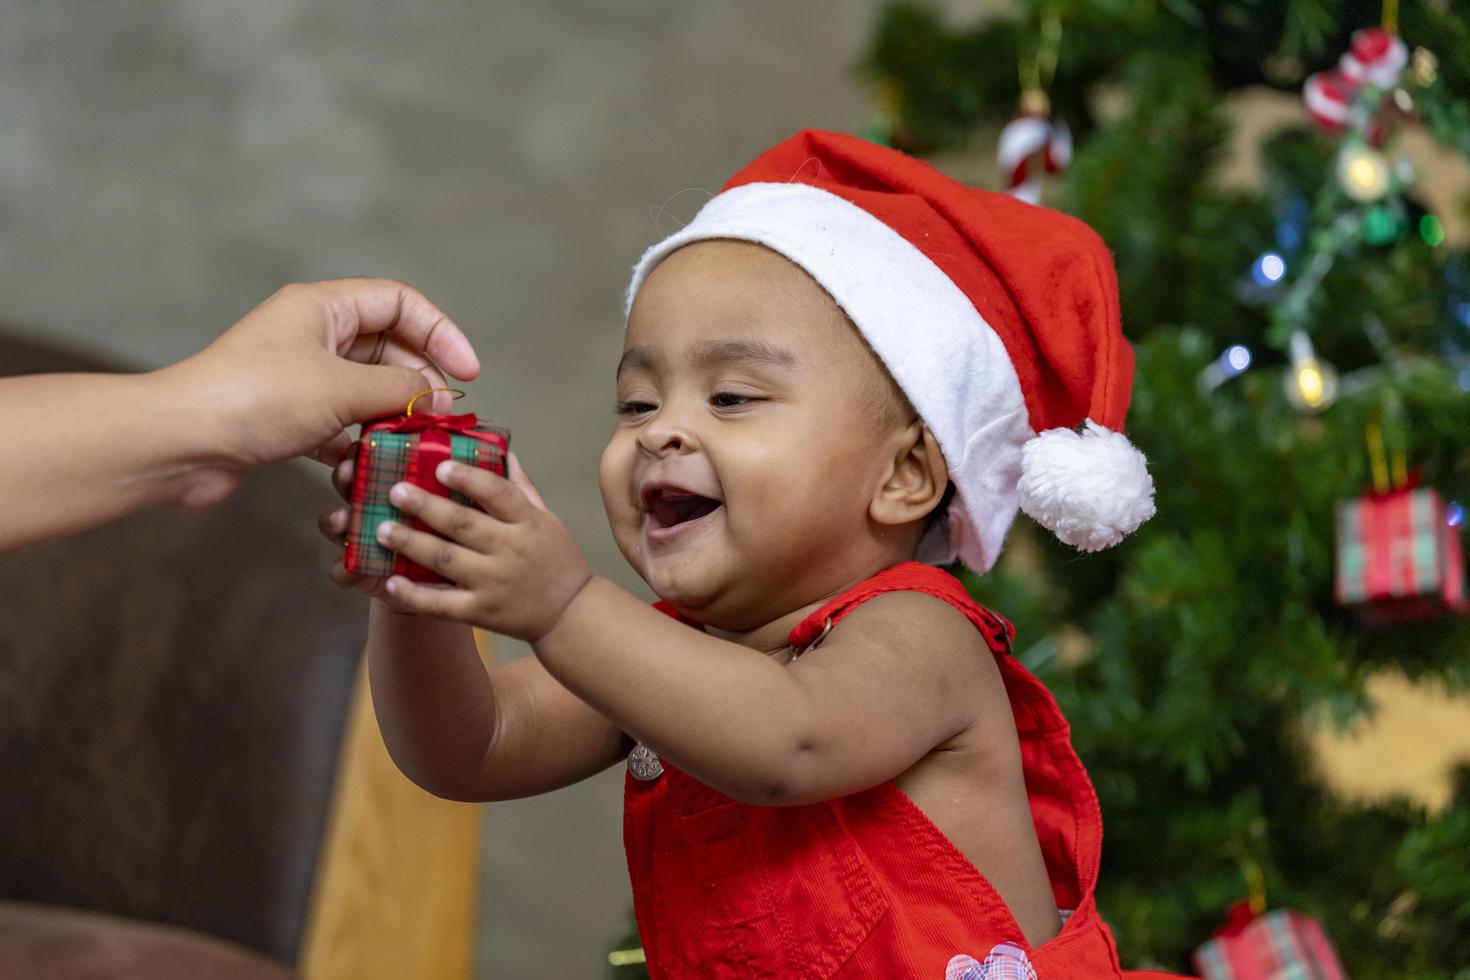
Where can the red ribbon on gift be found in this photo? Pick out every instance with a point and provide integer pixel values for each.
(434, 448)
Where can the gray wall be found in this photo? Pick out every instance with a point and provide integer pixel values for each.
(165, 165)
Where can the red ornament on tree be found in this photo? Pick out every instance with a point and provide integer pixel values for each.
(1031, 144)
(1398, 558)
(1281, 945)
(1377, 59)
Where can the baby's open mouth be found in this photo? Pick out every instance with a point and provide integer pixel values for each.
(669, 507)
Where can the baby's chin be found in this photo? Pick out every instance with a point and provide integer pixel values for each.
(692, 583)
(686, 588)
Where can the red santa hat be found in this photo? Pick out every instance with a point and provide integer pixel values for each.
(997, 318)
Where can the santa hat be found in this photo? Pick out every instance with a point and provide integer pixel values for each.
(997, 318)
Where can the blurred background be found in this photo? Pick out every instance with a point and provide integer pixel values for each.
(166, 165)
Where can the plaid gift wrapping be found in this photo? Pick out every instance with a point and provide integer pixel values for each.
(1280, 945)
(408, 449)
(1396, 552)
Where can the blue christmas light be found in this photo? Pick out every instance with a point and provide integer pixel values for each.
(1231, 363)
(1268, 269)
(1462, 312)
(1464, 379)
(1236, 359)
(1454, 514)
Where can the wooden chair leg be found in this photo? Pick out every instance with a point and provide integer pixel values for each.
(397, 887)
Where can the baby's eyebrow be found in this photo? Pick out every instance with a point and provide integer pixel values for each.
(717, 352)
(725, 351)
(634, 357)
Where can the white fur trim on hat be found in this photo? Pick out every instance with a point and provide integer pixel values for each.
(949, 362)
(1090, 488)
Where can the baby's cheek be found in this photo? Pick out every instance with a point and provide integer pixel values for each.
(613, 477)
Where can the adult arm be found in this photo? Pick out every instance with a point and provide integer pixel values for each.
(287, 380)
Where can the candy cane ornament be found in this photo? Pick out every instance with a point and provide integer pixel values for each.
(1376, 58)
(1032, 144)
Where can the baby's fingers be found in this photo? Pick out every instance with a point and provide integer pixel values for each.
(335, 450)
(367, 584)
(500, 498)
(445, 557)
(333, 525)
(518, 476)
(439, 601)
(343, 472)
(459, 523)
(344, 579)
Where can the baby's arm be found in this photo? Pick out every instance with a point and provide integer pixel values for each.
(456, 729)
(901, 675)
(465, 733)
(904, 673)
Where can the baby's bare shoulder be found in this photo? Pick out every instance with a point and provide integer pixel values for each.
(917, 620)
(930, 637)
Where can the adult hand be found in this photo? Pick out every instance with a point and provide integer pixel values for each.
(287, 380)
(296, 371)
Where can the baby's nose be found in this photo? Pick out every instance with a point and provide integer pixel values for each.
(661, 439)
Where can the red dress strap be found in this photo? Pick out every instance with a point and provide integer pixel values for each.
(909, 576)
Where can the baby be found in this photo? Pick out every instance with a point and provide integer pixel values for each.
(836, 769)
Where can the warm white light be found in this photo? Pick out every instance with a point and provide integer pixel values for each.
(1362, 173)
(1309, 384)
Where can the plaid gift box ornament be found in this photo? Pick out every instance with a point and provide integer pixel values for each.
(1398, 556)
(1281, 945)
(408, 448)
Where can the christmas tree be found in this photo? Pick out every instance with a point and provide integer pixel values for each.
(1299, 344)
(1302, 384)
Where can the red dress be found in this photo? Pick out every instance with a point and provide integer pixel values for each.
(865, 885)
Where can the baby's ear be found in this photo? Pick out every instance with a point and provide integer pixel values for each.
(916, 480)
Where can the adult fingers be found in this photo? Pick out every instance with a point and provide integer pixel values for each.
(370, 306)
(366, 391)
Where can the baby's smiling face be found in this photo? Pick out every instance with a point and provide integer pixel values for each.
(754, 430)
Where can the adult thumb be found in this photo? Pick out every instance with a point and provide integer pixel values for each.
(371, 390)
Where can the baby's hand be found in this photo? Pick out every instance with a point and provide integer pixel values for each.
(333, 525)
(515, 565)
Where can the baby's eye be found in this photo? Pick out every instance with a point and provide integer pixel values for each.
(634, 408)
(728, 399)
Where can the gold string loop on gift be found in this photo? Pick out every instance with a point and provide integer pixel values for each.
(408, 412)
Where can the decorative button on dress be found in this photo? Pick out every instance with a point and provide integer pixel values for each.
(864, 886)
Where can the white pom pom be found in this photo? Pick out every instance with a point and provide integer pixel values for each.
(1090, 489)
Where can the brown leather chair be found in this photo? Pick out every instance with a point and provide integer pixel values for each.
(174, 691)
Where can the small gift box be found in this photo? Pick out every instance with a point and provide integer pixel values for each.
(1398, 557)
(1281, 945)
(408, 448)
